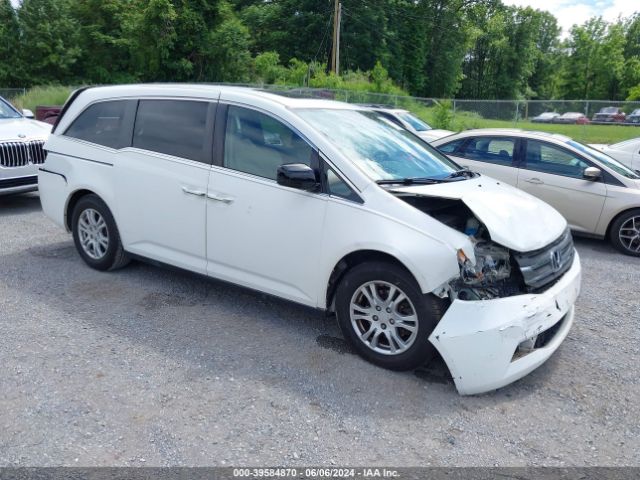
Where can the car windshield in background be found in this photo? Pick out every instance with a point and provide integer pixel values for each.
(7, 111)
(383, 150)
(417, 124)
(606, 160)
(609, 110)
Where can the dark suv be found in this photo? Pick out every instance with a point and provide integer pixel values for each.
(609, 115)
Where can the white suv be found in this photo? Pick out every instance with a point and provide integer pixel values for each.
(323, 203)
(21, 142)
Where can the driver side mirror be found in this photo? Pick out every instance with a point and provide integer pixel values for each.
(592, 173)
(26, 113)
(298, 175)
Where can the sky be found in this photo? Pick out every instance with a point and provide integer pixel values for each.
(571, 12)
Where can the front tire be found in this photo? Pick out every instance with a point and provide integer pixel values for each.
(386, 317)
(96, 236)
(625, 233)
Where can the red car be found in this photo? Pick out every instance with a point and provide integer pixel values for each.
(609, 115)
(575, 118)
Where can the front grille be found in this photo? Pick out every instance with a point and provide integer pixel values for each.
(544, 266)
(18, 182)
(19, 154)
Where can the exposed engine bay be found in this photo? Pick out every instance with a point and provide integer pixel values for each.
(494, 274)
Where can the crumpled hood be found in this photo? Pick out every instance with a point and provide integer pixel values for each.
(514, 218)
(20, 129)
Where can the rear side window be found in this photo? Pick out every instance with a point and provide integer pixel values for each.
(498, 150)
(451, 147)
(101, 123)
(173, 127)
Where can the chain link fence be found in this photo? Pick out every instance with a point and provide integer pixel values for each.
(11, 93)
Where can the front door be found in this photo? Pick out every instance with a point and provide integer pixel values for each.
(260, 234)
(555, 175)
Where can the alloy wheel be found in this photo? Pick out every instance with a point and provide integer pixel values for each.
(629, 234)
(383, 317)
(93, 233)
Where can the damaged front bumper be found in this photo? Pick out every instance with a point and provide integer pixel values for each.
(488, 344)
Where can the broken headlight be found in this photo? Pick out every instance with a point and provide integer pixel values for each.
(489, 277)
(493, 263)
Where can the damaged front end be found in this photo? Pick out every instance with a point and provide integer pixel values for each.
(490, 270)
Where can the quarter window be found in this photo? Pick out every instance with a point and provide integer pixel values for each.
(547, 158)
(338, 187)
(498, 150)
(173, 127)
(103, 124)
(258, 144)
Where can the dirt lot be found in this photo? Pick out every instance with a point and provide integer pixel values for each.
(150, 366)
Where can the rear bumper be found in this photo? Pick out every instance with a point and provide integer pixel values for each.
(489, 344)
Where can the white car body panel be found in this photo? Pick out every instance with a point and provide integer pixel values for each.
(21, 130)
(434, 134)
(627, 152)
(259, 234)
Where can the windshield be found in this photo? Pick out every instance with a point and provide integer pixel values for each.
(7, 111)
(383, 150)
(548, 114)
(572, 115)
(609, 110)
(605, 159)
(417, 124)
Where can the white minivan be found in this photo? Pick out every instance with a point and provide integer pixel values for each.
(323, 203)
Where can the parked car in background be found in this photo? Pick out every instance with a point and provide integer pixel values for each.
(610, 115)
(597, 195)
(634, 117)
(571, 118)
(546, 117)
(408, 120)
(48, 113)
(627, 152)
(21, 141)
(323, 203)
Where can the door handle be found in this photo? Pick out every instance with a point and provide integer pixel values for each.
(188, 190)
(535, 181)
(219, 198)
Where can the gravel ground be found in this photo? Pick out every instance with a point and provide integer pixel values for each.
(150, 366)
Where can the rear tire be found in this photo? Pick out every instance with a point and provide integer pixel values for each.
(625, 233)
(386, 317)
(96, 236)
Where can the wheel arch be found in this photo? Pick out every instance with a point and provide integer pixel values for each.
(607, 234)
(352, 259)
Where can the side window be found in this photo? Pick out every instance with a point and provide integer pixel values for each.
(498, 150)
(451, 147)
(258, 144)
(338, 187)
(173, 127)
(101, 123)
(547, 158)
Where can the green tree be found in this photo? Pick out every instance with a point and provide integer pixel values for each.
(10, 65)
(49, 46)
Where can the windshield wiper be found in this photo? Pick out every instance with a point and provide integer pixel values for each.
(461, 173)
(408, 181)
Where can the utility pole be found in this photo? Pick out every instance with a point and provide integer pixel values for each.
(335, 51)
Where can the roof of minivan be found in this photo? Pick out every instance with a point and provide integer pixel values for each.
(285, 98)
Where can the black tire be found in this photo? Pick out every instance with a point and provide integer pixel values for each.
(624, 221)
(114, 257)
(429, 310)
